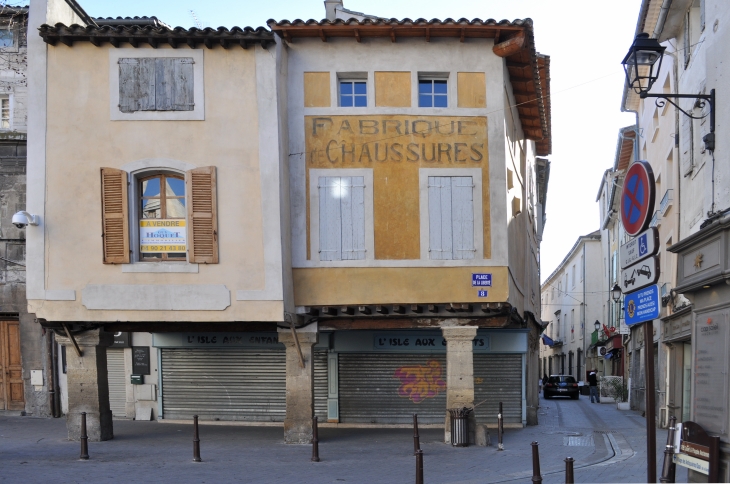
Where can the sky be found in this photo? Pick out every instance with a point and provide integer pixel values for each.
(585, 39)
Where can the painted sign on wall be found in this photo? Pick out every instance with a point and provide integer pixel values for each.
(414, 341)
(162, 235)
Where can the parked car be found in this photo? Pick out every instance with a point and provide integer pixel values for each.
(561, 386)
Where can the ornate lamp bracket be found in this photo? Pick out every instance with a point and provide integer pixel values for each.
(702, 101)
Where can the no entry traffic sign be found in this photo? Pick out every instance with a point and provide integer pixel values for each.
(637, 197)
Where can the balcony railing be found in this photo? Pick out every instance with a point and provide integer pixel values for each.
(666, 201)
(656, 220)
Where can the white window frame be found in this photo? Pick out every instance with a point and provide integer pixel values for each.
(434, 76)
(198, 112)
(476, 176)
(10, 113)
(314, 175)
(353, 77)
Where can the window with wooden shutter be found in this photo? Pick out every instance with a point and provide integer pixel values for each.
(156, 84)
(451, 217)
(202, 215)
(114, 215)
(341, 218)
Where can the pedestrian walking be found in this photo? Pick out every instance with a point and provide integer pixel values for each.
(593, 384)
(544, 381)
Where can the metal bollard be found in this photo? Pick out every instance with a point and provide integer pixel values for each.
(536, 477)
(416, 438)
(500, 428)
(196, 441)
(569, 471)
(315, 441)
(84, 439)
(669, 468)
(419, 467)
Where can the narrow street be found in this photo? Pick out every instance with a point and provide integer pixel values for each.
(608, 445)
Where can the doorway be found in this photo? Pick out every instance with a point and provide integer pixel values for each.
(11, 371)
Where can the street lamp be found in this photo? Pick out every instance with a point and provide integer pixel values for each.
(597, 325)
(642, 65)
(616, 293)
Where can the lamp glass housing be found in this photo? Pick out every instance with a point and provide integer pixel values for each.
(597, 325)
(616, 293)
(643, 63)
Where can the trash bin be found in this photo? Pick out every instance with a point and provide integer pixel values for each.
(460, 426)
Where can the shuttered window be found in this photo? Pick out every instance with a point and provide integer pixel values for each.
(341, 218)
(451, 217)
(156, 84)
(202, 215)
(115, 220)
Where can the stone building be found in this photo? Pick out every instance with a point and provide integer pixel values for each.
(330, 232)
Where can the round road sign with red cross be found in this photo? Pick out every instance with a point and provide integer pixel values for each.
(637, 197)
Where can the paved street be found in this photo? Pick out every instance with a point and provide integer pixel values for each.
(607, 444)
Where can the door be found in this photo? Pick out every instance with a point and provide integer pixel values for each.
(11, 372)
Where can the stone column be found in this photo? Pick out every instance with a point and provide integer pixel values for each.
(299, 386)
(88, 385)
(459, 373)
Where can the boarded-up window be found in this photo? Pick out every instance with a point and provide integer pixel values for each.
(202, 215)
(115, 221)
(341, 217)
(156, 84)
(451, 217)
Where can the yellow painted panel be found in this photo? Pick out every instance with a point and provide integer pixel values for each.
(395, 147)
(317, 90)
(472, 89)
(395, 285)
(393, 89)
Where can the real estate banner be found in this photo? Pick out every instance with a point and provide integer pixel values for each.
(162, 235)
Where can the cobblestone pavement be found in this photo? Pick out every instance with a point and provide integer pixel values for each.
(608, 445)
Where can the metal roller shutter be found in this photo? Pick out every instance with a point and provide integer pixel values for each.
(232, 384)
(498, 378)
(117, 382)
(388, 388)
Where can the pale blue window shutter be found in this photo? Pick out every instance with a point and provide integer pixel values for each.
(451, 217)
(341, 218)
(462, 210)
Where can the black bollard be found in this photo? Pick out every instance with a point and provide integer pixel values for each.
(536, 477)
(84, 439)
(569, 471)
(500, 428)
(669, 468)
(416, 438)
(315, 441)
(419, 467)
(196, 441)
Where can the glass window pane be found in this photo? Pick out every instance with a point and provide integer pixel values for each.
(439, 87)
(345, 88)
(6, 38)
(175, 208)
(360, 88)
(439, 101)
(424, 87)
(175, 187)
(346, 101)
(361, 101)
(151, 255)
(151, 187)
(151, 208)
(424, 100)
(176, 255)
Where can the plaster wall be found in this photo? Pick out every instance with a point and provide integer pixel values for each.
(240, 98)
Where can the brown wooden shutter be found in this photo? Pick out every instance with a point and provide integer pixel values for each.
(114, 216)
(202, 215)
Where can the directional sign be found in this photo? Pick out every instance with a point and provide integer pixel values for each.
(640, 275)
(637, 197)
(642, 305)
(640, 247)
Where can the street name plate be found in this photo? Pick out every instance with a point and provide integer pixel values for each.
(692, 463)
(695, 450)
(640, 275)
(639, 248)
(642, 305)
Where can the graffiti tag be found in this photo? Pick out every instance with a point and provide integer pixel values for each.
(420, 382)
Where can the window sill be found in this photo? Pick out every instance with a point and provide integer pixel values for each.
(161, 267)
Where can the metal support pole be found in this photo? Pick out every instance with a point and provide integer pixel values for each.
(536, 477)
(315, 440)
(416, 438)
(569, 471)
(500, 428)
(84, 439)
(669, 468)
(196, 441)
(650, 398)
(419, 467)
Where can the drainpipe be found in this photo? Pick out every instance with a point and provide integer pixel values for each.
(662, 18)
(583, 307)
(51, 373)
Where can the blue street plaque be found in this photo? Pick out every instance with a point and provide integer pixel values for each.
(482, 294)
(481, 280)
(642, 305)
